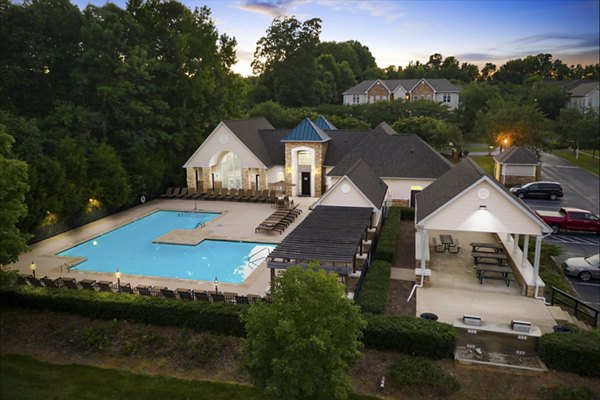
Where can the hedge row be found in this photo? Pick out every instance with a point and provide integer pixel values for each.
(217, 318)
(577, 352)
(374, 292)
(386, 245)
(407, 213)
(410, 335)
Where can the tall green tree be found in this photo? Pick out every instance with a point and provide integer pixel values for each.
(301, 346)
(13, 187)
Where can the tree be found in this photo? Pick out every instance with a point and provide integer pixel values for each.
(549, 98)
(578, 130)
(436, 132)
(301, 345)
(474, 99)
(13, 187)
(521, 123)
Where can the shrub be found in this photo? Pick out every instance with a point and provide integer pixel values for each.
(219, 318)
(420, 374)
(568, 393)
(8, 277)
(410, 335)
(386, 245)
(577, 352)
(407, 213)
(374, 292)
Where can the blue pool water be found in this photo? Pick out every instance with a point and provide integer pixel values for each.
(130, 249)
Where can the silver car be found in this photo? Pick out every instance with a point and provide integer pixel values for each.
(585, 268)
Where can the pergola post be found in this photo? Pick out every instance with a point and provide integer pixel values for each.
(272, 274)
(536, 259)
(516, 244)
(423, 250)
(354, 263)
(525, 250)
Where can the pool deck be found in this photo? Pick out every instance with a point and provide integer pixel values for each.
(236, 222)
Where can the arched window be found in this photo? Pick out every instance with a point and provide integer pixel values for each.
(231, 170)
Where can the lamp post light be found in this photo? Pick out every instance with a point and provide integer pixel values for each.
(118, 276)
(32, 267)
(216, 283)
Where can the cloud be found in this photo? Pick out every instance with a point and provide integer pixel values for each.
(561, 40)
(272, 8)
(475, 56)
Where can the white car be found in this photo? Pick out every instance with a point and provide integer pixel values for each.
(585, 268)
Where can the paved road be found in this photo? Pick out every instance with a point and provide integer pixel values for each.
(581, 190)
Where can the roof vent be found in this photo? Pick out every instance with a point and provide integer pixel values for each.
(412, 150)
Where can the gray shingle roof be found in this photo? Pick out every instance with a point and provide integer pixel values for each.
(517, 155)
(341, 143)
(444, 189)
(439, 85)
(583, 89)
(247, 130)
(390, 155)
(324, 124)
(368, 183)
(306, 131)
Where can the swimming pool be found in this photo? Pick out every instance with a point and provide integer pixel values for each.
(130, 250)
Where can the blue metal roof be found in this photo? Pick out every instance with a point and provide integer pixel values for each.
(306, 131)
(324, 124)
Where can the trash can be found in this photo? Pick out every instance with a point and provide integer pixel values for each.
(429, 316)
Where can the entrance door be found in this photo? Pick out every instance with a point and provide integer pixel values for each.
(305, 183)
(413, 194)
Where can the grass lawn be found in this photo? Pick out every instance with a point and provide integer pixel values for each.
(584, 161)
(485, 162)
(26, 378)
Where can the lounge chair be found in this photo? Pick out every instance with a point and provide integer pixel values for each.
(255, 196)
(105, 286)
(201, 295)
(205, 194)
(263, 197)
(168, 193)
(246, 195)
(221, 196)
(272, 197)
(33, 281)
(253, 298)
(229, 296)
(144, 290)
(51, 283)
(191, 193)
(125, 288)
(175, 192)
(217, 297)
(241, 300)
(167, 293)
(233, 195)
(22, 279)
(69, 283)
(88, 284)
(215, 194)
(185, 294)
(182, 193)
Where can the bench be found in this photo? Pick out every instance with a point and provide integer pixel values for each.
(485, 271)
(439, 248)
(507, 279)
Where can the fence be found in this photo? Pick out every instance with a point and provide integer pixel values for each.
(579, 309)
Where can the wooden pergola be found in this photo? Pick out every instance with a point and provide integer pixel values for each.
(331, 236)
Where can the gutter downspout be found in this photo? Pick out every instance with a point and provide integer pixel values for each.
(423, 261)
(536, 265)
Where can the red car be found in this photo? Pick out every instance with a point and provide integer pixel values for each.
(571, 219)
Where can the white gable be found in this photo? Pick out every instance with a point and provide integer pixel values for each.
(344, 194)
(222, 139)
(501, 213)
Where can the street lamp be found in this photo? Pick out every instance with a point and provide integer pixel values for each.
(33, 267)
(118, 276)
(216, 283)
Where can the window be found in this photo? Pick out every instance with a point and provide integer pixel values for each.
(370, 99)
(446, 98)
(422, 97)
(232, 171)
(377, 98)
(415, 97)
(304, 158)
(576, 215)
(429, 97)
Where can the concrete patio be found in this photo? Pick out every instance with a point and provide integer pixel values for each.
(456, 291)
(236, 222)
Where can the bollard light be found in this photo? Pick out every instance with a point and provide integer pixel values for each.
(33, 267)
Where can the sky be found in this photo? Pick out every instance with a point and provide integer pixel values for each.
(399, 31)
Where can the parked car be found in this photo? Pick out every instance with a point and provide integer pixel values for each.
(549, 190)
(572, 219)
(585, 268)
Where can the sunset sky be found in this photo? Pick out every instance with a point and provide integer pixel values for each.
(397, 32)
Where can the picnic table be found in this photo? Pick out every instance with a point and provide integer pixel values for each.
(498, 272)
(480, 247)
(493, 258)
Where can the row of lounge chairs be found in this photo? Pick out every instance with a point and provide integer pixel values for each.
(223, 194)
(142, 290)
(279, 220)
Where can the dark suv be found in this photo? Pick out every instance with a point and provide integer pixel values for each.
(550, 190)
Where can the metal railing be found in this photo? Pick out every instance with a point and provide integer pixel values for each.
(580, 310)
